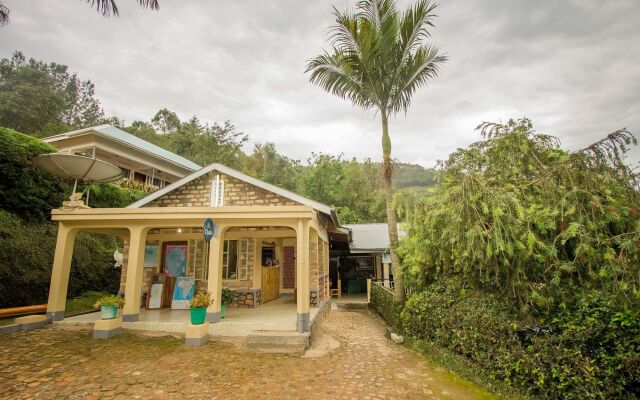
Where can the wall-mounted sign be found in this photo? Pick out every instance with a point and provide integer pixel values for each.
(210, 229)
(386, 258)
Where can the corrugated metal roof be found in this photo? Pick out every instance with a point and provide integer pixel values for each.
(112, 132)
(370, 236)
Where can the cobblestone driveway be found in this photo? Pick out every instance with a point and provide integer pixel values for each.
(61, 363)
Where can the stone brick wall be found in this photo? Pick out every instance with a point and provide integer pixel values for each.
(313, 264)
(197, 193)
(251, 298)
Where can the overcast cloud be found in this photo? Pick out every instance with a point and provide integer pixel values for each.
(571, 66)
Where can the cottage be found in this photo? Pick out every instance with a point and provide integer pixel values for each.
(271, 247)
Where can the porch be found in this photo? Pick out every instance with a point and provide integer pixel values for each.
(279, 315)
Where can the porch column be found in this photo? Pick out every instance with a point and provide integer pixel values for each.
(60, 272)
(133, 285)
(302, 275)
(214, 277)
(385, 274)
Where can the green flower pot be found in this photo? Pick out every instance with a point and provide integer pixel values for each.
(198, 315)
(108, 312)
(223, 310)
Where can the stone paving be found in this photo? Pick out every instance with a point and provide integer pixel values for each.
(61, 362)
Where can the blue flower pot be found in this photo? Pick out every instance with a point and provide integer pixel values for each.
(108, 312)
(198, 315)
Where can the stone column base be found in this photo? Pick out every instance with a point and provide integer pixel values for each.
(31, 322)
(213, 316)
(130, 317)
(55, 315)
(107, 328)
(196, 335)
(303, 323)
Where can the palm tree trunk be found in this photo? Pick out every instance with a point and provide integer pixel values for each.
(392, 221)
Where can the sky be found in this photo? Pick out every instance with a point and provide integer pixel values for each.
(573, 67)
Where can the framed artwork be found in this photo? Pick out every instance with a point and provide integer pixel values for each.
(151, 252)
(155, 296)
(183, 292)
(175, 262)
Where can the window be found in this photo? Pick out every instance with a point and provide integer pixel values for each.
(234, 259)
(198, 258)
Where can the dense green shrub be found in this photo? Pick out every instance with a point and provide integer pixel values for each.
(27, 256)
(24, 189)
(590, 352)
(526, 260)
(27, 237)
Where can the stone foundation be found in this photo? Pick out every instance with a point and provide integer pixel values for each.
(247, 298)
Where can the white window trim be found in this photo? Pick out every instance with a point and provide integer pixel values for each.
(217, 192)
(242, 271)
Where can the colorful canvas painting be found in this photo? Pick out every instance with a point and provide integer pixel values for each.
(151, 255)
(183, 292)
(176, 260)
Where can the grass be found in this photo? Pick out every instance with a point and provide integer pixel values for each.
(84, 302)
(465, 369)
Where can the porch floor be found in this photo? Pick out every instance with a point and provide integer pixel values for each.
(276, 315)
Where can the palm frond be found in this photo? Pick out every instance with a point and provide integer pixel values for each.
(4, 14)
(419, 68)
(331, 72)
(109, 7)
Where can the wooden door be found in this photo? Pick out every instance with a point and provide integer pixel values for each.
(270, 283)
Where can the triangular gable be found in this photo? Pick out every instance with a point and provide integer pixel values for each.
(195, 190)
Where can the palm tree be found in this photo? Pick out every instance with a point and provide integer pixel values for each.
(105, 7)
(378, 59)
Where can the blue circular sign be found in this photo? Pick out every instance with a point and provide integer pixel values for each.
(209, 229)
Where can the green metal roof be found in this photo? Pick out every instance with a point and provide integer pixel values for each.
(119, 134)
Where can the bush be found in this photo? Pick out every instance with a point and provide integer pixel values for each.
(591, 351)
(26, 190)
(27, 257)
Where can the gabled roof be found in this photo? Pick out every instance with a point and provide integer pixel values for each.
(323, 208)
(370, 237)
(113, 133)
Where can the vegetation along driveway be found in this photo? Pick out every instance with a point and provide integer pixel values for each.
(351, 360)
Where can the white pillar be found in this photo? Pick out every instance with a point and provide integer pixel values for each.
(135, 266)
(60, 272)
(302, 276)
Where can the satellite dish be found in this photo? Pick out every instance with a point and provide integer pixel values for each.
(71, 166)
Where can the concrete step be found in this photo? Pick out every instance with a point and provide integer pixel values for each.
(278, 342)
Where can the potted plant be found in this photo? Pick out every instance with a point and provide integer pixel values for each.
(199, 305)
(109, 305)
(227, 298)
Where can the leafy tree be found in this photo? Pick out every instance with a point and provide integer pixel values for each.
(323, 179)
(266, 164)
(41, 99)
(378, 59)
(518, 215)
(165, 121)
